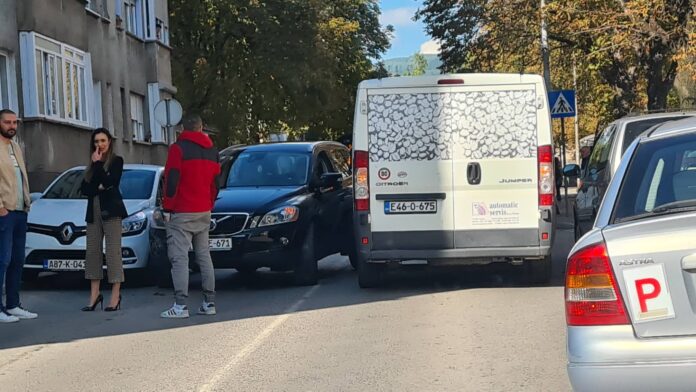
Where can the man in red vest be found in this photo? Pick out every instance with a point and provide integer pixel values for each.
(190, 189)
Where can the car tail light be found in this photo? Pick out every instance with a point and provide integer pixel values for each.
(362, 185)
(546, 183)
(591, 293)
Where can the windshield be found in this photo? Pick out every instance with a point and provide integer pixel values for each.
(634, 129)
(660, 179)
(135, 185)
(269, 168)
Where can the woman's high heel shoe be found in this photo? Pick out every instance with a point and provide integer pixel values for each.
(98, 301)
(114, 308)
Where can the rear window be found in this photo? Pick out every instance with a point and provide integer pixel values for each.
(634, 129)
(661, 172)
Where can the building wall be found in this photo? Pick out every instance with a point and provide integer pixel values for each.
(121, 64)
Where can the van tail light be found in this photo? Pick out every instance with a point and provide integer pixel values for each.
(546, 182)
(362, 185)
(591, 292)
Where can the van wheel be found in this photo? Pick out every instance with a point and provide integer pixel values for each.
(370, 275)
(539, 271)
(352, 251)
(306, 271)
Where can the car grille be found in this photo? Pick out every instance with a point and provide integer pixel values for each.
(66, 233)
(228, 224)
(37, 257)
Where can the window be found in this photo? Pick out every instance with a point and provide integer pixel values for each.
(341, 160)
(59, 79)
(162, 31)
(601, 150)
(97, 117)
(5, 78)
(98, 7)
(661, 172)
(137, 104)
(272, 168)
(634, 129)
(135, 185)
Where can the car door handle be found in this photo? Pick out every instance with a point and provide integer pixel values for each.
(473, 173)
(689, 262)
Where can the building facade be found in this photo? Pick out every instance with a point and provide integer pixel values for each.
(70, 66)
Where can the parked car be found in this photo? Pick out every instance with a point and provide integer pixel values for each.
(283, 206)
(455, 168)
(56, 237)
(609, 146)
(631, 280)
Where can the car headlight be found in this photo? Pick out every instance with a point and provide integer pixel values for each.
(278, 216)
(134, 223)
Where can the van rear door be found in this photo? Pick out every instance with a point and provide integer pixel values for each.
(495, 146)
(410, 160)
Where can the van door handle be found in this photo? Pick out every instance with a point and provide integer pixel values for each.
(473, 173)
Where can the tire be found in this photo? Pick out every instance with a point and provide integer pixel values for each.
(306, 271)
(352, 251)
(30, 275)
(370, 275)
(539, 271)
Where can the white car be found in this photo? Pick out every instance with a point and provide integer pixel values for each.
(455, 168)
(56, 237)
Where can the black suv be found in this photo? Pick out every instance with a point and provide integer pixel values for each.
(283, 206)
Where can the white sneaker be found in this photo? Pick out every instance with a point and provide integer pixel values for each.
(22, 314)
(207, 308)
(6, 318)
(176, 312)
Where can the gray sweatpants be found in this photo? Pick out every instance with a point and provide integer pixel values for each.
(184, 229)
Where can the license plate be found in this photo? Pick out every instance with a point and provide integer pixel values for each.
(410, 207)
(64, 265)
(220, 243)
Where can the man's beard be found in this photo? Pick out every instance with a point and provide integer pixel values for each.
(10, 133)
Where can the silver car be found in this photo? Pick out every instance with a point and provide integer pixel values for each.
(57, 228)
(609, 146)
(631, 280)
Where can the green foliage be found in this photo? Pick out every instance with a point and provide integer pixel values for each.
(254, 67)
(627, 51)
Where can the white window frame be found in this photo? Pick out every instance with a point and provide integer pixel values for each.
(62, 101)
(137, 116)
(8, 86)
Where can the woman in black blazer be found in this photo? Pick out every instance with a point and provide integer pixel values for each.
(105, 211)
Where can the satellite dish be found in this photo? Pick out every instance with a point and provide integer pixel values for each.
(168, 112)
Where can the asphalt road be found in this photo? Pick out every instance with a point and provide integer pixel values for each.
(444, 329)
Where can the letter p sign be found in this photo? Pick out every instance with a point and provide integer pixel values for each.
(648, 293)
(644, 295)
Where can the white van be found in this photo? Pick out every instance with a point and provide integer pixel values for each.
(453, 168)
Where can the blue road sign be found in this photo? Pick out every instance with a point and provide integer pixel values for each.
(562, 103)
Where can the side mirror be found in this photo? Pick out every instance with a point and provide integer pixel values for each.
(329, 180)
(571, 170)
(35, 196)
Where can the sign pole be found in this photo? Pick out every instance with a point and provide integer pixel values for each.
(167, 102)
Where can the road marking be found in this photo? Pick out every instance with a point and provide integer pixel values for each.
(256, 343)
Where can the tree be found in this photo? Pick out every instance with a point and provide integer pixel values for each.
(418, 65)
(256, 67)
(633, 47)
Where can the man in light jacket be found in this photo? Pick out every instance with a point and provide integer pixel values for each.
(14, 206)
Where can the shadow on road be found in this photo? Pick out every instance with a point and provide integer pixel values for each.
(58, 298)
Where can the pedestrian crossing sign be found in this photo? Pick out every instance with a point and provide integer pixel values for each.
(562, 103)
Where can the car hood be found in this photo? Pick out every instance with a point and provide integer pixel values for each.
(55, 212)
(252, 199)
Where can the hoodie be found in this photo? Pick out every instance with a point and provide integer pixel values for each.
(190, 175)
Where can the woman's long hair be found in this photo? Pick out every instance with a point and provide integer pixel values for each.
(92, 147)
